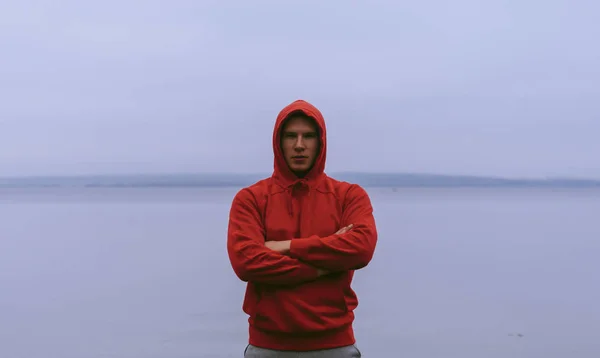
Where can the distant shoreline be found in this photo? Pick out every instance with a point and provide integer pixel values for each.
(391, 180)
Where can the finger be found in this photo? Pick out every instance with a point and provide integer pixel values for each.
(343, 230)
(346, 229)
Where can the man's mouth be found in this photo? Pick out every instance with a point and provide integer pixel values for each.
(299, 159)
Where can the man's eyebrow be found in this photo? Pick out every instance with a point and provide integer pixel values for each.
(295, 132)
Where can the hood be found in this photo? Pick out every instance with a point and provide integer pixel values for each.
(282, 172)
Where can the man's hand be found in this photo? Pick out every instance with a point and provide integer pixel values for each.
(283, 247)
(344, 229)
(323, 272)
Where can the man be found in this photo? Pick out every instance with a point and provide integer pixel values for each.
(296, 239)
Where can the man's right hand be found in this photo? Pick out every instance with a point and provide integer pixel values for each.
(344, 229)
(322, 272)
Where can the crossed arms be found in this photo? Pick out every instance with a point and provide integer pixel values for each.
(302, 259)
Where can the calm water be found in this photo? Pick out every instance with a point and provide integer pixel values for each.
(144, 273)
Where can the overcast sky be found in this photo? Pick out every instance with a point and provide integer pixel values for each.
(506, 88)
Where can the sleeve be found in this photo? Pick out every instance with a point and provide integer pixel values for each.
(250, 259)
(352, 250)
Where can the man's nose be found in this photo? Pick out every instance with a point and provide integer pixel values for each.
(299, 143)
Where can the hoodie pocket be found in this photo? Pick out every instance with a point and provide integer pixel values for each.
(310, 307)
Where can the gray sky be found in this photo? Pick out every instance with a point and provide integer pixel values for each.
(472, 87)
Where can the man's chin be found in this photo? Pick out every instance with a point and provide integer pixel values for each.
(300, 172)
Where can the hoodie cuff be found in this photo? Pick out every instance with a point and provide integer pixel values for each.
(301, 247)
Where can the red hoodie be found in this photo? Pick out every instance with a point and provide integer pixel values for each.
(289, 306)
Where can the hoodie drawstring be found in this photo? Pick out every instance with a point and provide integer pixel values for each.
(290, 190)
(290, 196)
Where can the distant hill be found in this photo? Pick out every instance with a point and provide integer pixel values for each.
(394, 180)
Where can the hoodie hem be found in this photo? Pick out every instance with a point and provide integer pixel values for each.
(302, 341)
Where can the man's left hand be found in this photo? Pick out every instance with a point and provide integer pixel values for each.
(283, 247)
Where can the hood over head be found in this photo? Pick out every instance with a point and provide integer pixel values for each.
(281, 171)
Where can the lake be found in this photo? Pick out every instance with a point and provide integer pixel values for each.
(144, 273)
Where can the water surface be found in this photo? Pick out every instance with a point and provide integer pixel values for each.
(143, 273)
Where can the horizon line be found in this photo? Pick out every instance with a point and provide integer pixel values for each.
(268, 174)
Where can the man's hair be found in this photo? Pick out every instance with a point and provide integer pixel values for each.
(301, 114)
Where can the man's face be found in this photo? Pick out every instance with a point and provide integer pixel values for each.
(300, 144)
